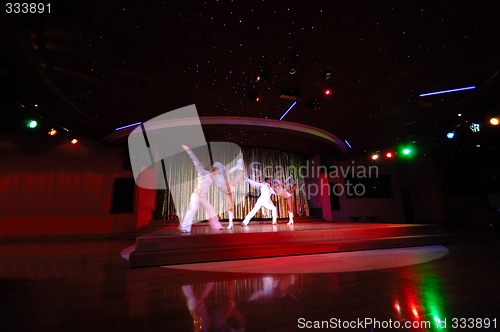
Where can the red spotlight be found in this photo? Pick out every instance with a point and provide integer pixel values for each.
(327, 92)
(52, 132)
(388, 154)
(258, 78)
(257, 99)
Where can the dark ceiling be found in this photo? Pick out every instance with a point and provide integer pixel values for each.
(93, 66)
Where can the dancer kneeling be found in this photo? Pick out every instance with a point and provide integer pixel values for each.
(199, 197)
(287, 195)
(263, 200)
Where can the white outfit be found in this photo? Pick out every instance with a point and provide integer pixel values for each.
(199, 197)
(226, 186)
(286, 195)
(220, 179)
(263, 201)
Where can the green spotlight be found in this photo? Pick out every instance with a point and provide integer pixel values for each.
(32, 124)
(406, 151)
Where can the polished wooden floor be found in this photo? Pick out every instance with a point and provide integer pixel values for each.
(74, 285)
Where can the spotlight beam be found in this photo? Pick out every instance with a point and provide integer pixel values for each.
(295, 102)
(446, 91)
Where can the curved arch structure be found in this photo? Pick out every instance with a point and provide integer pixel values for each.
(231, 122)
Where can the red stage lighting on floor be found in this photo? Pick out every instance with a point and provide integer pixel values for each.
(52, 132)
(389, 154)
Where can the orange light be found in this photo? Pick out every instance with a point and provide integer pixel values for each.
(375, 157)
(52, 132)
(388, 154)
(258, 78)
(415, 312)
(257, 99)
(74, 141)
(494, 121)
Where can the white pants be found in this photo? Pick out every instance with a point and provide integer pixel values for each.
(261, 203)
(195, 201)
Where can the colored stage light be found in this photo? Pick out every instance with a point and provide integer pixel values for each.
(475, 127)
(52, 132)
(375, 157)
(133, 124)
(327, 72)
(254, 96)
(261, 75)
(328, 92)
(494, 121)
(292, 67)
(32, 124)
(73, 140)
(450, 135)
(447, 91)
(406, 151)
(388, 154)
(349, 145)
(295, 102)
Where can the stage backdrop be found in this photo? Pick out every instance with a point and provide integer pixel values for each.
(259, 163)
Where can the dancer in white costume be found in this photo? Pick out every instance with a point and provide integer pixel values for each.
(286, 194)
(264, 200)
(199, 197)
(227, 187)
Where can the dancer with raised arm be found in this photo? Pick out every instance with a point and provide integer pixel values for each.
(286, 194)
(199, 197)
(263, 200)
(227, 187)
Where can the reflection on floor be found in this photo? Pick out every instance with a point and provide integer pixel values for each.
(319, 263)
(90, 287)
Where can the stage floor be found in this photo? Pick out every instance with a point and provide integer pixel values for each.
(267, 227)
(169, 246)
